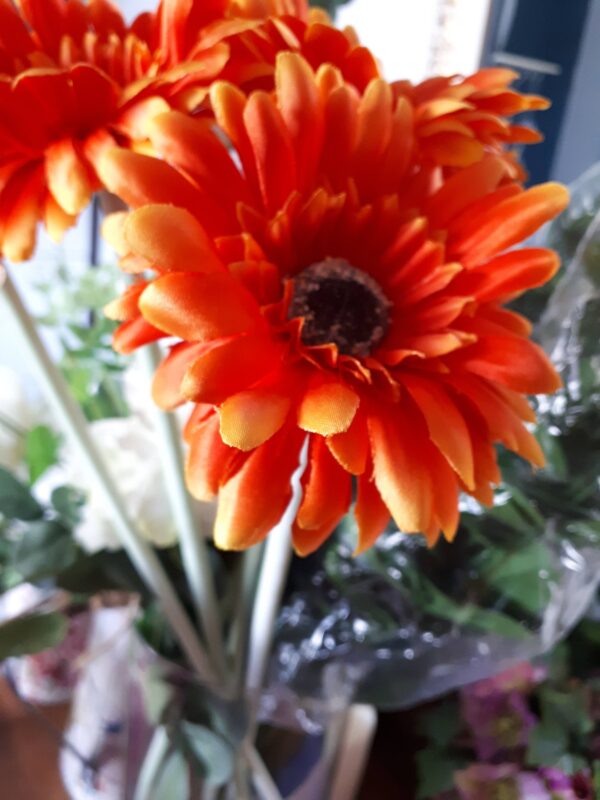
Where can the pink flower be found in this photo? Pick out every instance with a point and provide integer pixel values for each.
(493, 781)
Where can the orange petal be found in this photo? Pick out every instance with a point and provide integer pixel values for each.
(20, 207)
(512, 273)
(191, 145)
(139, 179)
(125, 306)
(300, 107)
(168, 378)
(56, 220)
(328, 408)
(171, 239)
(509, 222)
(68, 178)
(326, 498)
(514, 362)
(209, 461)
(249, 418)
(133, 334)
(351, 448)
(371, 513)
(452, 149)
(113, 230)
(464, 188)
(398, 443)
(199, 307)
(229, 368)
(447, 427)
(273, 151)
(254, 500)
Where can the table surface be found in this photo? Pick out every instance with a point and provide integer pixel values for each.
(29, 750)
(29, 753)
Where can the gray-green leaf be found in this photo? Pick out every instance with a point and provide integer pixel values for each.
(16, 501)
(212, 751)
(31, 633)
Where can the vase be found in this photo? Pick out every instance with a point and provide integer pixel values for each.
(141, 723)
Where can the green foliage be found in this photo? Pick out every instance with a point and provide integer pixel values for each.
(173, 778)
(31, 633)
(16, 500)
(41, 451)
(435, 772)
(68, 502)
(44, 550)
(441, 723)
(89, 363)
(212, 754)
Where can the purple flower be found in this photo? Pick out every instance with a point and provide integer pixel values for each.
(567, 787)
(499, 781)
(500, 722)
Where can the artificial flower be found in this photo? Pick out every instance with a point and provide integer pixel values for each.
(128, 445)
(75, 79)
(461, 119)
(493, 781)
(501, 721)
(331, 287)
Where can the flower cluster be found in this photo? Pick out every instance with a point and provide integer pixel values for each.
(328, 255)
(75, 79)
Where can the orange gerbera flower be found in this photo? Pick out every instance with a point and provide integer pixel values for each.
(332, 288)
(75, 79)
(459, 120)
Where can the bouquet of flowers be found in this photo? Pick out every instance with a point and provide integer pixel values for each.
(316, 267)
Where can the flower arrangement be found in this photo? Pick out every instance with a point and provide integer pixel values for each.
(318, 266)
(532, 730)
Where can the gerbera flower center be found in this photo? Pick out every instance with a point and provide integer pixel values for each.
(340, 304)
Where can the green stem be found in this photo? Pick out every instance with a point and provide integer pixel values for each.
(196, 559)
(144, 558)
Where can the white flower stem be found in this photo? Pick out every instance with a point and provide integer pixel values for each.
(196, 559)
(152, 764)
(143, 557)
(271, 584)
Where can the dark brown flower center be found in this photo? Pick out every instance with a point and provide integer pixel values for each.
(340, 304)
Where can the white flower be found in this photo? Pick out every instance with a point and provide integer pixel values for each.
(131, 451)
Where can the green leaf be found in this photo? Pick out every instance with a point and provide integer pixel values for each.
(596, 778)
(569, 709)
(31, 633)
(16, 500)
(157, 694)
(429, 598)
(517, 575)
(214, 754)
(173, 781)
(435, 771)
(45, 549)
(68, 501)
(548, 742)
(41, 451)
(441, 724)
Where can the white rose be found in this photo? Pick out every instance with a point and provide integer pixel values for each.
(131, 451)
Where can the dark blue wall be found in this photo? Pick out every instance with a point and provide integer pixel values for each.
(549, 31)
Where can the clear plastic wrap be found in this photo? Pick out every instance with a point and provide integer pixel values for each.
(402, 624)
